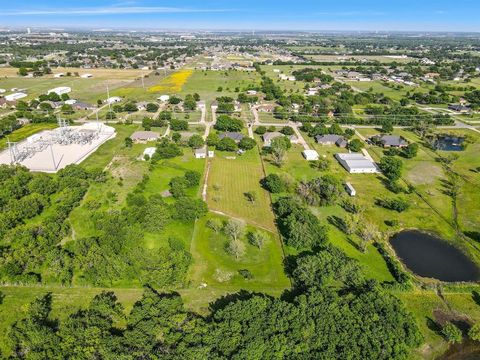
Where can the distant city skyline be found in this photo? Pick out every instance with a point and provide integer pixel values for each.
(370, 15)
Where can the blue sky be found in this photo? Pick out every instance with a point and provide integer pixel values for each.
(422, 15)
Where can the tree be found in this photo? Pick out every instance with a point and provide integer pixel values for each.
(273, 183)
(192, 177)
(257, 238)
(410, 151)
(234, 228)
(355, 145)
(260, 130)
(278, 149)
(213, 139)
(152, 107)
(128, 142)
(251, 196)
(387, 127)
(130, 107)
(236, 248)
(367, 233)
(247, 143)
(147, 123)
(452, 333)
(322, 164)
(227, 144)
(215, 224)
(196, 141)
(226, 123)
(474, 332)
(391, 167)
(22, 71)
(287, 131)
(189, 103)
(178, 185)
(178, 125)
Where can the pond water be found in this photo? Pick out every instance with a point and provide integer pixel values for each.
(449, 143)
(431, 257)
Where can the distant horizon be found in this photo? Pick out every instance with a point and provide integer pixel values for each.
(303, 16)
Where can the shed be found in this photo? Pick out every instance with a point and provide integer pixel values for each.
(350, 189)
(310, 155)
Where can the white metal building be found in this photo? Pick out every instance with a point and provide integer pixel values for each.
(15, 96)
(356, 163)
(60, 90)
(310, 155)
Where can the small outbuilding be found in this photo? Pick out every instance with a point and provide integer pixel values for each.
(310, 155)
(350, 189)
(201, 153)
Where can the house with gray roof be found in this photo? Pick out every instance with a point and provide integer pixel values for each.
(388, 141)
(232, 135)
(144, 136)
(331, 139)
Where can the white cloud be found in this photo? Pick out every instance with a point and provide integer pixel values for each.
(111, 10)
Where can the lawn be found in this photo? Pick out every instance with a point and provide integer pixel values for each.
(230, 177)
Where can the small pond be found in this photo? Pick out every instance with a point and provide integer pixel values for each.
(431, 257)
(449, 143)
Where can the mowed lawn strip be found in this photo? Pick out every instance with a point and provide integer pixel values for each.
(228, 181)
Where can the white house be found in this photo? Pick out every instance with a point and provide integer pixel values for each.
(310, 155)
(356, 163)
(164, 98)
(86, 76)
(60, 90)
(15, 96)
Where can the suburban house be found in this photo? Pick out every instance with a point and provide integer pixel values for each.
(310, 155)
(388, 141)
(232, 135)
(459, 108)
(5, 104)
(269, 136)
(164, 98)
(331, 139)
(268, 108)
(82, 106)
(144, 136)
(356, 163)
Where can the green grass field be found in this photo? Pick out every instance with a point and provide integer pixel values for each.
(219, 270)
(230, 179)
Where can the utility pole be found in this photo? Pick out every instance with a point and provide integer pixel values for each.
(53, 156)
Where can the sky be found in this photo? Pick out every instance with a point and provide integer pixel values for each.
(357, 15)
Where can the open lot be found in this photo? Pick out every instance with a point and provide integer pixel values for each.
(230, 177)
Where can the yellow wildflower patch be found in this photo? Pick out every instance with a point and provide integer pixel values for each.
(172, 83)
